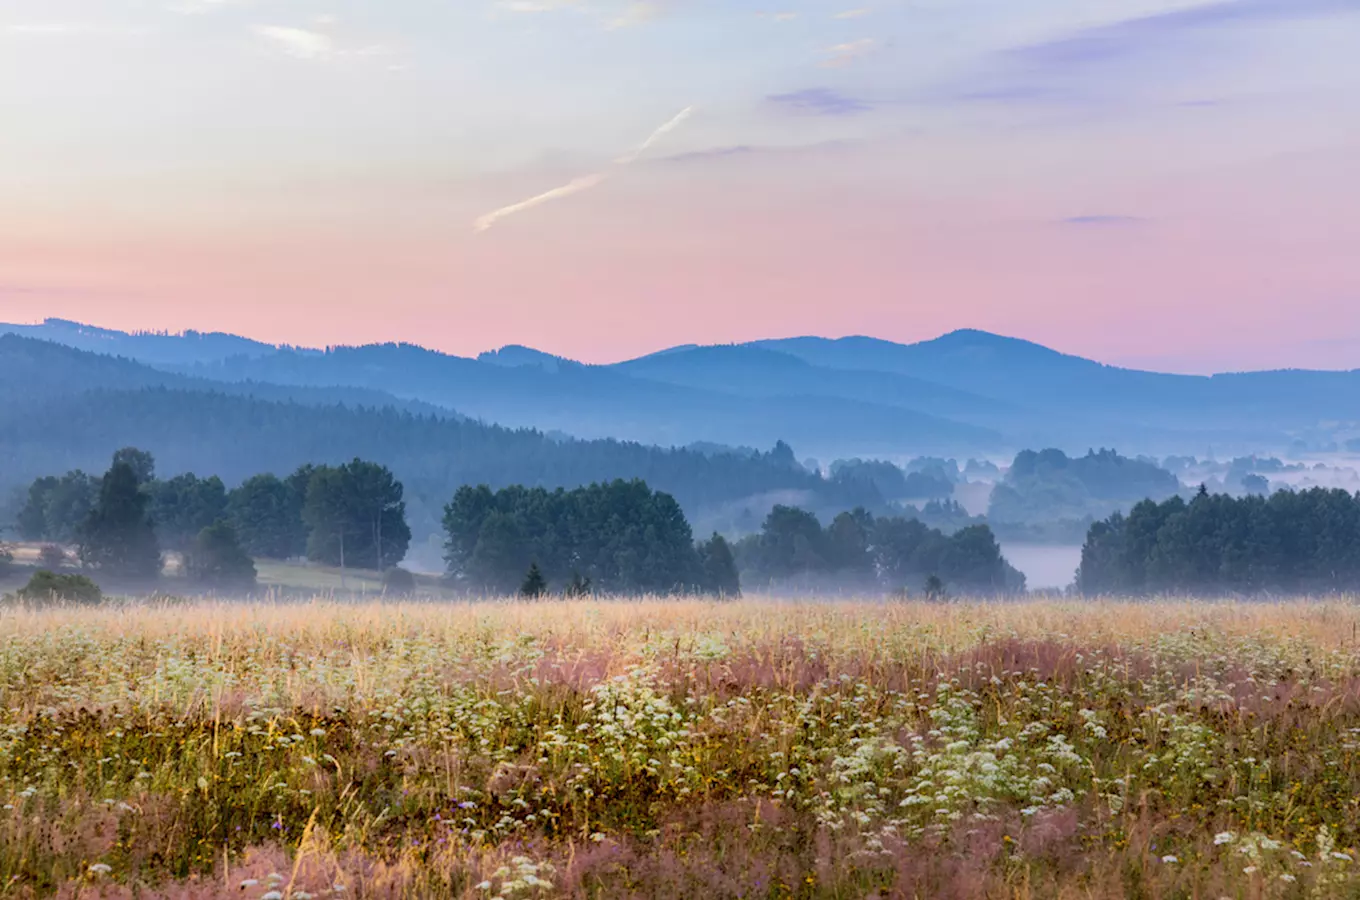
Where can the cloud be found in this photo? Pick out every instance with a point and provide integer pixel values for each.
(844, 54)
(1125, 56)
(316, 45)
(576, 186)
(297, 42)
(1131, 37)
(586, 182)
(1103, 221)
(714, 153)
(819, 102)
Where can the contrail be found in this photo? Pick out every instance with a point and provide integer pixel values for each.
(656, 136)
(586, 182)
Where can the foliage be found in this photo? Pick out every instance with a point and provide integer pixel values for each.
(398, 581)
(118, 536)
(267, 513)
(185, 505)
(45, 587)
(719, 566)
(622, 536)
(6, 561)
(217, 560)
(55, 508)
(142, 463)
(1047, 485)
(235, 437)
(663, 750)
(861, 551)
(884, 478)
(1308, 540)
(577, 587)
(534, 584)
(356, 516)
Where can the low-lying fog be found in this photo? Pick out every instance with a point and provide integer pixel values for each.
(1046, 567)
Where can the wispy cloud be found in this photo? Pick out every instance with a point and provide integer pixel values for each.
(714, 153)
(301, 43)
(316, 44)
(1128, 55)
(1103, 221)
(819, 102)
(848, 52)
(586, 182)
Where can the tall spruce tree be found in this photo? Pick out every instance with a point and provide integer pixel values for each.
(118, 536)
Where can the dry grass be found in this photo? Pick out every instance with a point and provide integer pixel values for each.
(681, 748)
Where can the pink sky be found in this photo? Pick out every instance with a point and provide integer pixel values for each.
(1130, 227)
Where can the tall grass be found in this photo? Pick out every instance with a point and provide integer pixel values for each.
(681, 748)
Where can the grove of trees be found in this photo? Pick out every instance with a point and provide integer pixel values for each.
(1050, 486)
(349, 515)
(1306, 541)
(861, 551)
(616, 538)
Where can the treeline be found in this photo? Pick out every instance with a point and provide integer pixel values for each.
(1307, 541)
(616, 538)
(351, 515)
(619, 537)
(236, 436)
(861, 551)
(1049, 486)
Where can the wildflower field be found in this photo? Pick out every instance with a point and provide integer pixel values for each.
(681, 749)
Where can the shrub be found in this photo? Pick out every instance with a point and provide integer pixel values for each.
(47, 586)
(398, 581)
(217, 560)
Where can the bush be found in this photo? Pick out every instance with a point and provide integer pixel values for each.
(52, 557)
(398, 581)
(217, 560)
(6, 562)
(46, 587)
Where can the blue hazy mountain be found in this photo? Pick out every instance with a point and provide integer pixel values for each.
(965, 393)
(153, 348)
(522, 388)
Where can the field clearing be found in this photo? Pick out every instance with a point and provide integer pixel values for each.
(681, 748)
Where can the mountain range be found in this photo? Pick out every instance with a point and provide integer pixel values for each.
(965, 393)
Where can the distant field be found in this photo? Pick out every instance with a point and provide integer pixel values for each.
(681, 749)
(274, 576)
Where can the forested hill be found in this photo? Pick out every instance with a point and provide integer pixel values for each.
(34, 372)
(74, 410)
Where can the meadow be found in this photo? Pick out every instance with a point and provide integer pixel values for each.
(664, 749)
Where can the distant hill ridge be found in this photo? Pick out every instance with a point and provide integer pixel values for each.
(968, 392)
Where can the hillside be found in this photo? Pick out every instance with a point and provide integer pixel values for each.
(602, 401)
(64, 409)
(34, 372)
(967, 393)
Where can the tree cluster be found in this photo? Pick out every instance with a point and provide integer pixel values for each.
(619, 537)
(862, 551)
(1049, 486)
(1292, 541)
(350, 515)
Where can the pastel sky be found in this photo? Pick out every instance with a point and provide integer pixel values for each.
(1168, 183)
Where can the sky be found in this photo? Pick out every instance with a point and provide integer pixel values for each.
(1172, 184)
